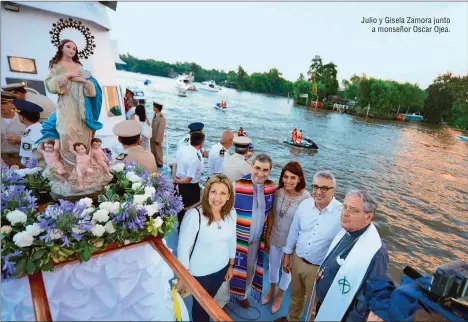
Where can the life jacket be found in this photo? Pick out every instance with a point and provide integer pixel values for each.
(299, 135)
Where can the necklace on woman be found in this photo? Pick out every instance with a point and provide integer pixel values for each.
(290, 198)
(219, 225)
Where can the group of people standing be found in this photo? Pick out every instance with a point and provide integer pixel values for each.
(325, 250)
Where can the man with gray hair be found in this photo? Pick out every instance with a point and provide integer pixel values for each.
(356, 254)
(315, 224)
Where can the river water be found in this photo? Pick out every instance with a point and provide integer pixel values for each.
(418, 173)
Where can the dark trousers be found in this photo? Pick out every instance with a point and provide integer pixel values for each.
(211, 283)
(190, 194)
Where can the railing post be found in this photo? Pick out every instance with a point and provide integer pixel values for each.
(39, 297)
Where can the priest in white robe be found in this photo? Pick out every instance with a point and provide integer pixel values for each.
(356, 254)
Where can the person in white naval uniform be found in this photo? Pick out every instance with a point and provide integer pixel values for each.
(219, 152)
(185, 141)
(188, 173)
(29, 115)
(12, 130)
(236, 165)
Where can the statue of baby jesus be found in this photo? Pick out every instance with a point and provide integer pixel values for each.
(50, 151)
(83, 161)
(98, 156)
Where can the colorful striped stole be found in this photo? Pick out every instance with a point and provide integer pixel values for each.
(244, 205)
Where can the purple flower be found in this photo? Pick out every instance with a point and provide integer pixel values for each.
(18, 197)
(32, 164)
(130, 217)
(8, 268)
(10, 177)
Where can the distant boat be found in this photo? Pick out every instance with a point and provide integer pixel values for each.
(462, 138)
(306, 144)
(409, 117)
(210, 86)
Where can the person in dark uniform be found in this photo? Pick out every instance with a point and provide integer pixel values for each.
(189, 171)
(128, 133)
(128, 100)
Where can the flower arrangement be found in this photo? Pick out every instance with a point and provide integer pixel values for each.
(136, 204)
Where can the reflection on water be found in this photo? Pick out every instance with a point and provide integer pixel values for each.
(417, 172)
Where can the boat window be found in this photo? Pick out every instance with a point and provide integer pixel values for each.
(111, 96)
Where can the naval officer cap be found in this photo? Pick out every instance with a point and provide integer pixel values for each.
(27, 106)
(16, 87)
(127, 129)
(196, 127)
(130, 91)
(241, 141)
(8, 96)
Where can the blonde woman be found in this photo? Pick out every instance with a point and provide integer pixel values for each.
(207, 240)
(289, 194)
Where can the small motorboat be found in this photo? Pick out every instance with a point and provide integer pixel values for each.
(306, 144)
(210, 86)
(462, 138)
(224, 109)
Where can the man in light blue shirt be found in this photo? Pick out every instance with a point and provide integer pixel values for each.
(316, 222)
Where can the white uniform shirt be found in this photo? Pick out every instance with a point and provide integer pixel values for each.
(30, 136)
(216, 158)
(14, 127)
(189, 163)
(130, 113)
(236, 166)
(312, 231)
(214, 247)
(185, 141)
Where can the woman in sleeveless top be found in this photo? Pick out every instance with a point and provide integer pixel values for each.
(290, 193)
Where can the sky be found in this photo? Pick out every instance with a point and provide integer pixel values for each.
(286, 36)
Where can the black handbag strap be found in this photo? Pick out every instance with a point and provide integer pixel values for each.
(196, 237)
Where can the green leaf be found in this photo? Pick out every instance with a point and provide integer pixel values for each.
(115, 197)
(38, 254)
(102, 198)
(30, 266)
(47, 267)
(20, 267)
(85, 255)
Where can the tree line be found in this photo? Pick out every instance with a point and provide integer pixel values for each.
(445, 100)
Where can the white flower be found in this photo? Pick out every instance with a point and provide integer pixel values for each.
(150, 191)
(140, 199)
(88, 211)
(107, 205)
(98, 230)
(109, 226)
(34, 229)
(116, 207)
(157, 222)
(25, 172)
(23, 239)
(130, 174)
(102, 215)
(152, 209)
(86, 201)
(6, 230)
(117, 167)
(126, 242)
(135, 178)
(55, 235)
(16, 216)
(77, 230)
(136, 186)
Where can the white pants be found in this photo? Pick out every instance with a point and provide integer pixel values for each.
(276, 259)
(222, 297)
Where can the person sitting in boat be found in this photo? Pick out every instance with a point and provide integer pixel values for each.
(241, 132)
(299, 137)
(294, 135)
(218, 104)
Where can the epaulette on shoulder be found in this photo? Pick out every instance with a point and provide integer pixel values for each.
(122, 156)
(221, 153)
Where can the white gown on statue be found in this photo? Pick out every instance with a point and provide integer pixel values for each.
(128, 284)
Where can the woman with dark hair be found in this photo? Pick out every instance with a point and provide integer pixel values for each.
(289, 194)
(207, 240)
(146, 133)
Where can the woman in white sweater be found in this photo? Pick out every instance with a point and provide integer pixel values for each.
(207, 240)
